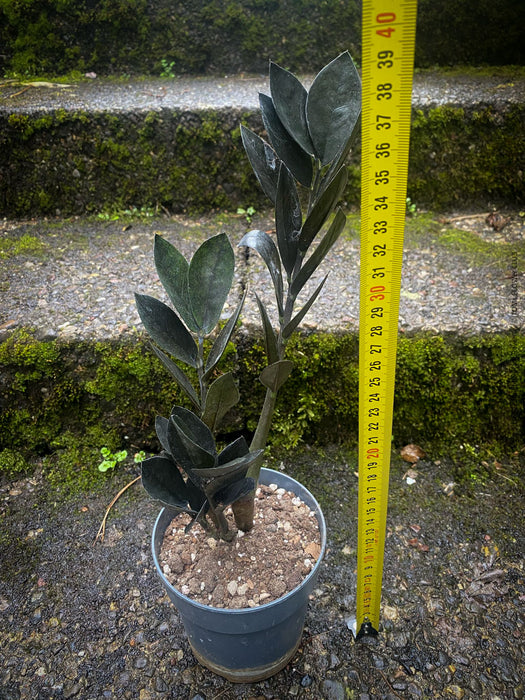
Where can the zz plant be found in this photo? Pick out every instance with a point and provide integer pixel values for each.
(301, 165)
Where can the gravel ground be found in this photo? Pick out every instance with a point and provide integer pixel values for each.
(79, 620)
(75, 279)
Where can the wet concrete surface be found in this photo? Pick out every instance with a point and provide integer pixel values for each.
(78, 280)
(431, 89)
(91, 621)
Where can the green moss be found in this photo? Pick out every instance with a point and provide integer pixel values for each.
(458, 156)
(12, 463)
(449, 392)
(194, 162)
(49, 37)
(25, 245)
(64, 401)
(89, 162)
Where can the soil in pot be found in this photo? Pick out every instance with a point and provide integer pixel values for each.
(256, 567)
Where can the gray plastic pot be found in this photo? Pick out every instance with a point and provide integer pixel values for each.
(248, 644)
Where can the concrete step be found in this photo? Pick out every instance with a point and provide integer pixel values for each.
(174, 145)
(75, 279)
(75, 365)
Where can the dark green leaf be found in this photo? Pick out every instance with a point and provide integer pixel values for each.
(179, 376)
(163, 482)
(264, 245)
(222, 395)
(230, 469)
(289, 151)
(172, 269)
(288, 219)
(199, 517)
(196, 497)
(231, 493)
(161, 428)
(191, 441)
(333, 107)
(166, 329)
(223, 338)
(322, 209)
(237, 448)
(290, 327)
(337, 164)
(228, 473)
(270, 339)
(210, 278)
(274, 376)
(289, 98)
(264, 161)
(313, 262)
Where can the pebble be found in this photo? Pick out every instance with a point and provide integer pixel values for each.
(333, 690)
(329, 662)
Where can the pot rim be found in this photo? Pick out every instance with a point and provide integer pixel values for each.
(313, 505)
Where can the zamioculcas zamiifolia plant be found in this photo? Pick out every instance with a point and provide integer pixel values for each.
(301, 164)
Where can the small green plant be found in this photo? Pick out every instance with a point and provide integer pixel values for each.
(143, 212)
(106, 216)
(167, 68)
(111, 459)
(248, 213)
(301, 166)
(411, 207)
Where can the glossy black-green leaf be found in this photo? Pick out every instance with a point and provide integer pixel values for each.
(210, 278)
(289, 151)
(161, 428)
(270, 339)
(237, 448)
(289, 98)
(172, 269)
(333, 107)
(322, 209)
(199, 517)
(222, 395)
(264, 245)
(228, 473)
(179, 376)
(316, 258)
(290, 327)
(163, 482)
(191, 441)
(287, 219)
(263, 160)
(233, 492)
(222, 340)
(274, 376)
(338, 163)
(166, 329)
(230, 469)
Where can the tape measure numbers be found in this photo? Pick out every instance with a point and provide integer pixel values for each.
(387, 68)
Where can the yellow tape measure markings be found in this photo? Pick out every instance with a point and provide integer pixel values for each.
(387, 66)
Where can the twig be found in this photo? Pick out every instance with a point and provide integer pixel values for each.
(389, 684)
(102, 528)
(15, 94)
(467, 216)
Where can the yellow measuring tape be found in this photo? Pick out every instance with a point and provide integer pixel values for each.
(389, 28)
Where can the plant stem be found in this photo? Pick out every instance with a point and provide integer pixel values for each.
(200, 372)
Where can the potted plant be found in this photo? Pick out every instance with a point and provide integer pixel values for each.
(300, 167)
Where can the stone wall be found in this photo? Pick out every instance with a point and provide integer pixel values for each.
(112, 37)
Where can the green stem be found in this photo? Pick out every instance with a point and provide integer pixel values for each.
(263, 428)
(200, 372)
